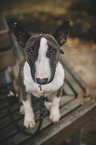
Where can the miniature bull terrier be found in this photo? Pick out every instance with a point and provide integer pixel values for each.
(40, 66)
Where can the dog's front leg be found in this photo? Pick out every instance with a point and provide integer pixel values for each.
(29, 121)
(54, 110)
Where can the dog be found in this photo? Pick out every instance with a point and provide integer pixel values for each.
(41, 66)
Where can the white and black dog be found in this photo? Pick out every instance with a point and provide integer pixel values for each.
(41, 66)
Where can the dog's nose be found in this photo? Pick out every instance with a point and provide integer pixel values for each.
(42, 81)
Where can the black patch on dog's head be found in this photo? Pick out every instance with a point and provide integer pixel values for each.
(31, 53)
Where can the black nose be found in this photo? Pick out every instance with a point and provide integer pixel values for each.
(42, 81)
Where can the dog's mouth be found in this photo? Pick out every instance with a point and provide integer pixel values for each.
(42, 81)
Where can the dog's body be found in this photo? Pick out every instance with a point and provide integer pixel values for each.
(41, 66)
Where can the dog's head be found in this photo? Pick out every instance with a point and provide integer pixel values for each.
(42, 51)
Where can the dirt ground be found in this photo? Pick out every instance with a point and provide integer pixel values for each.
(80, 49)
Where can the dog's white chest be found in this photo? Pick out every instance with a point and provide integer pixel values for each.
(50, 88)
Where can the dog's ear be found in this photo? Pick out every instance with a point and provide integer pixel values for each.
(61, 34)
(21, 34)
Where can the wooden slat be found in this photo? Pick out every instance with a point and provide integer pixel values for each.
(67, 89)
(64, 100)
(65, 127)
(2, 97)
(64, 110)
(6, 122)
(3, 103)
(4, 112)
(3, 80)
(73, 72)
(74, 85)
(76, 76)
(15, 111)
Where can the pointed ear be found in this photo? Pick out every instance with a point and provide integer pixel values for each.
(61, 34)
(21, 34)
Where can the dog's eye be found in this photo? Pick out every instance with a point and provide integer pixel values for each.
(52, 50)
(31, 50)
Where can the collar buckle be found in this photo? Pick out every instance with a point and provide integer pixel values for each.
(41, 91)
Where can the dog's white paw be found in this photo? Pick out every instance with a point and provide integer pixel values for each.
(54, 115)
(22, 111)
(29, 121)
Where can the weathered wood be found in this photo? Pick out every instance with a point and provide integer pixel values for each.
(77, 77)
(72, 82)
(64, 100)
(64, 111)
(4, 34)
(72, 105)
(2, 78)
(3, 104)
(4, 111)
(7, 58)
(67, 89)
(73, 73)
(66, 127)
(6, 122)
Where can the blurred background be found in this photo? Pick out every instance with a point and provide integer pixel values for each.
(46, 16)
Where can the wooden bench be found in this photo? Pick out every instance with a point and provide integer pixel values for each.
(75, 113)
(7, 56)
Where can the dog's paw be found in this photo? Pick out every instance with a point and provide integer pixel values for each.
(54, 115)
(29, 121)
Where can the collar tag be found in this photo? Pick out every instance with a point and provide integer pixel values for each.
(41, 91)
